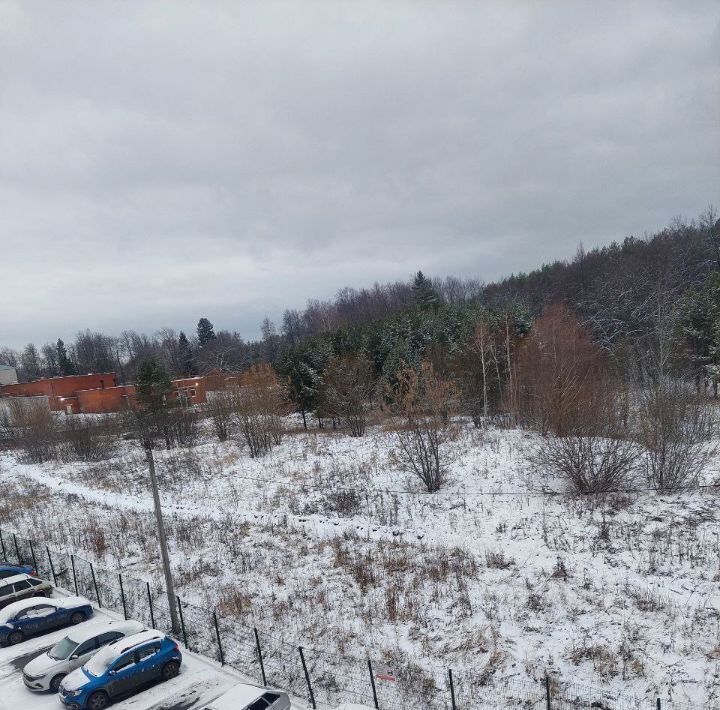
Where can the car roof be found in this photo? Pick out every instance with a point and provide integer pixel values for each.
(239, 697)
(129, 642)
(11, 609)
(13, 565)
(85, 633)
(14, 578)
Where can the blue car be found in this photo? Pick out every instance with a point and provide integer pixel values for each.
(121, 669)
(10, 570)
(31, 617)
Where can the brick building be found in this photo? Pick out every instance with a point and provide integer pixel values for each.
(62, 392)
(101, 394)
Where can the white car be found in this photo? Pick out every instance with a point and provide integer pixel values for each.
(48, 670)
(250, 697)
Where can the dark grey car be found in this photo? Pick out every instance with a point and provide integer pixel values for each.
(22, 586)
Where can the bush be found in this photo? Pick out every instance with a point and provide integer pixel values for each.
(36, 432)
(424, 400)
(590, 464)
(677, 427)
(86, 439)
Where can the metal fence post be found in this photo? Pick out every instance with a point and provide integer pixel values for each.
(372, 683)
(307, 678)
(122, 596)
(452, 689)
(52, 566)
(260, 656)
(2, 542)
(152, 615)
(97, 592)
(217, 633)
(547, 692)
(659, 706)
(32, 552)
(182, 623)
(72, 562)
(17, 550)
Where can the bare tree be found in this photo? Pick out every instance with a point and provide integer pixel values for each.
(557, 371)
(258, 404)
(677, 427)
(87, 439)
(349, 388)
(595, 454)
(35, 430)
(220, 408)
(425, 402)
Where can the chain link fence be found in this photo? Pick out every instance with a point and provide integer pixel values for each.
(323, 679)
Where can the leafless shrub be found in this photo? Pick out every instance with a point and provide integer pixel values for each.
(181, 428)
(87, 439)
(258, 404)
(560, 570)
(343, 502)
(424, 399)
(595, 454)
(221, 411)
(349, 389)
(677, 428)
(36, 432)
(590, 464)
(496, 559)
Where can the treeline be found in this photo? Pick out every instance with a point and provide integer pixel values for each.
(628, 295)
(610, 357)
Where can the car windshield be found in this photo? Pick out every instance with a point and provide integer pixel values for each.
(62, 649)
(99, 663)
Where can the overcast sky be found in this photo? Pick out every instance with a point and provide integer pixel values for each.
(165, 161)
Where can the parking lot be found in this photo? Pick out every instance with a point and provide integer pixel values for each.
(200, 681)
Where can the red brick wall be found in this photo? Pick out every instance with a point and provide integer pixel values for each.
(188, 385)
(102, 401)
(59, 388)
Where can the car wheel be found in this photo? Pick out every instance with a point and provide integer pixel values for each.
(170, 670)
(97, 701)
(77, 617)
(55, 682)
(15, 637)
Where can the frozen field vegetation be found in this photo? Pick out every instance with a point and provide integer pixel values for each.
(328, 542)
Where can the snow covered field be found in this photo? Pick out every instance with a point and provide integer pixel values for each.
(325, 542)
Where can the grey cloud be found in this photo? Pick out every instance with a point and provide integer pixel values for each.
(161, 162)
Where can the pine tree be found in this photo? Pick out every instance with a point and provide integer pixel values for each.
(426, 297)
(152, 385)
(205, 331)
(187, 361)
(65, 365)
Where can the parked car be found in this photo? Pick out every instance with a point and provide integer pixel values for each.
(8, 569)
(22, 586)
(31, 617)
(250, 697)
(121, 668)
(47, 670)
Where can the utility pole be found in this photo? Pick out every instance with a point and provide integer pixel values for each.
(172, 602)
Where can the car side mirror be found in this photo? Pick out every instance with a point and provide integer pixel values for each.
(74, 657)
(112, 672)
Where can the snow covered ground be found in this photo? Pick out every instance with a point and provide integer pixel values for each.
(326, 542)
